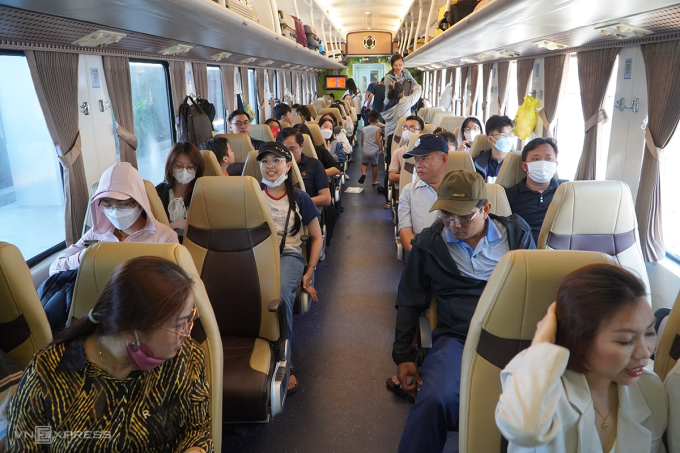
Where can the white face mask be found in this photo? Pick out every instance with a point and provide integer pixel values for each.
(470, 136)
(504, 145)
(406, 136)
(541, 171)
(184, 176)
(276, 183)
(327, 133)
(123, 219)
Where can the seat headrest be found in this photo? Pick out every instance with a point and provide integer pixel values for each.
(407, 174)
(284, 124)
(428, 129)
(156, 204)
(480, 144)
(240, 144)
(427, 116)
(668, 350)
(450, 123)
(261, 132)
(212, 167)
(308, 147)
(498, 199)
(312, 110)
(511, 171)
(317, 138)
(333, 111)
(460, 160)
(438, 118)
(397, 133)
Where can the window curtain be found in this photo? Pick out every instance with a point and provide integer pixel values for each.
(245, 86)
(261, 101)
(427, 86)
(594, 70)
(503, 68)
(272, 94)
(55, 76)
(474, 79)
(463, 89)
(662, 67)
(453, 92)
(486, 75)
(556, 70)
(200, 79)
(447, 81)
(178, 85)
(524, 68)
(305, 88)
(281, 79)
(228, 88)
(298, 87)
(117, 73)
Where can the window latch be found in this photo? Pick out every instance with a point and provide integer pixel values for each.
(86, 108)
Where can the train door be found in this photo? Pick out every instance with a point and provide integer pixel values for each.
(365, 74)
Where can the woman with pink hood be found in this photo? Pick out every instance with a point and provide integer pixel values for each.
(121, 212)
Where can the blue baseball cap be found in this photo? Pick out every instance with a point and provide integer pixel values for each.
(428, 143)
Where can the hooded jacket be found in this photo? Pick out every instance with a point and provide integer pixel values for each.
(125, 179)
(431, 271)
(402, 108)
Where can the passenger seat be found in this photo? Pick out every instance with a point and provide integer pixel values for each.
(668, 349)
(212, 167)
(262, 132)
(241, 145)
(450, 123)
(511, 171)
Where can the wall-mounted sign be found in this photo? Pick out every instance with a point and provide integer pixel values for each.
(628, 68)
(94, 76)
(369, 42)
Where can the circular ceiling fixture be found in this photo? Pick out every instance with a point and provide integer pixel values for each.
(369, 42)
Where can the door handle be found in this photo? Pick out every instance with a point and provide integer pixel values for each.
(85, 108)
(103, 105)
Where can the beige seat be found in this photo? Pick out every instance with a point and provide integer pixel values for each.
(261, 132)
(396, 138)
(427, 116)
(296, 119)
(241, 145)
(668, 349)
(312, 110)
(284, 124)
(308, 147)
(511, 171)
(428, 129)
(450, 123)
(504, 324)
(596, 216)
(456, 131)
(460, 160)
(212, 167)
(232, 239)
(96, 267)
(252, 168)
(318, 104)
(317, 138)
(24, 329)
(478, 145)
(332, 111)
(421, 113)
(498, 199)
(438, 117)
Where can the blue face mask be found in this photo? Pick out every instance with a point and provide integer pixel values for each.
(504, 145)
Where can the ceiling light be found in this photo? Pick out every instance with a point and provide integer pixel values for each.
(219, 56)
(100, 38)
(550, 45)
(369, 28)
(623, 31)
(368, 12)
(483, 57)
(265, 63)
(467, 60)
(247, 60)
(509, 53)
(285, 65)
(176, 49)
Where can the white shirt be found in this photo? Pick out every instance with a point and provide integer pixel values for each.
(672, 384)
(415, 201)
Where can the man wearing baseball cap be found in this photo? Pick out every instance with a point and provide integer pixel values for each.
(452, 260)
(431, 153)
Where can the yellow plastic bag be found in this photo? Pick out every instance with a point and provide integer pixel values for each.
(525, 120)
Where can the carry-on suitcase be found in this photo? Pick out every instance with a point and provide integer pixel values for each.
(287, 25)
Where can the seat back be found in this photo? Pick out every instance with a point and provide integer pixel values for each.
(396, 138)
(427, 116)
(504, 323)
(252, 168)
(332, 111)
(421, 113)
(262, 132)
(428, 129)
(24, 329)
(296, 119)
(460, 160)
(284, 124)
(87, 222)
(319, 105)
(317, 138)
(455, 131)
(312, 110)
(451, 122)
(308, 147)
(478, 145)
(241, 145)
(668, 349)
(438, 117)
(407, 173)
(212, 167)
(97, 266)
(596, 216)
(500, 206)
(511, 171)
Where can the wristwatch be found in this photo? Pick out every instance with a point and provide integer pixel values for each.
(313, 267)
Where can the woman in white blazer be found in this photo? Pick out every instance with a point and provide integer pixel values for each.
(672, 384)
(581, 386)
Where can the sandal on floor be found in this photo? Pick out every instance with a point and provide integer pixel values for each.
(293, 389)
(387, 206)
(397, 390)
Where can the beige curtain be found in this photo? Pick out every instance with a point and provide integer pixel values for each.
(453, 92)
(474, 78)
(270, 79)
(245, 86)
(281, 79)
(433, 91)
(486, 75)
(463, 89)
(556, 70)
(200, 79)
(594, 71)
(178, 84)
(503, 68)
(524, 68)
(228, 87)
(55, 77)
(117, 73)
(662, 66)
(261, 101)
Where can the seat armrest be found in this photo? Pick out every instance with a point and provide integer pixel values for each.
(279, 306)
(425, 329)
(274, 305)
(306, 245)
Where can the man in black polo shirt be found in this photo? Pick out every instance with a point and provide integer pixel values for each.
(239, 123)
(531, 197)
(312, 171)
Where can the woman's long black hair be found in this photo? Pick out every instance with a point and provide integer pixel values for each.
(352, 87)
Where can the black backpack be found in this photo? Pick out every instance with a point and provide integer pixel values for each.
(56, 294)
(209, 110)
(457, 12)
(194, 124)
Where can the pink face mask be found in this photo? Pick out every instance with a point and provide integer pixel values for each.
(141, 356)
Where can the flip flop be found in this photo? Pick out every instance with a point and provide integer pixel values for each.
(293, 389)
(362, 178)
(397, 390)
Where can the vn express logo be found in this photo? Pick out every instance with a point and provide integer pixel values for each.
(44, 435)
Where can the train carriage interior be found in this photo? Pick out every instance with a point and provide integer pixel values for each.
(168, 108)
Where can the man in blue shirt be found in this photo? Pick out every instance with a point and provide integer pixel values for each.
(531, 197)
(312, 170)
(500, 135)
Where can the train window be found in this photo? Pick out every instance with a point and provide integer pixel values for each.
(511, 104)
(31, 186)
(153, 123)
(252, 92)
(216, 98)
(606, 128)
(670, 187)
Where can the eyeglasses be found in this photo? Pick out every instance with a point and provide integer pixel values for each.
(468, 129)
(180, 166)
(241, 123)
(184, 329)
(120, 205)
(272, 162)
(504, 135)
(411, 128)
(460, 220)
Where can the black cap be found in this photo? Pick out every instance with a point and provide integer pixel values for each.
(426, 144)
(274, 148)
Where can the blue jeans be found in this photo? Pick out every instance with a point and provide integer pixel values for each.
(292, 269)
(436, 409)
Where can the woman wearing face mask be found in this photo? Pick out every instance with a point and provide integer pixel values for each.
(341, 136)
(582, 385)
(182, 167)
(290, 208)
(121, 212)
(469, 129)
(128, 373)
(274, 125)
(333, 145)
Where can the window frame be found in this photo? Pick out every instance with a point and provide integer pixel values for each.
(168, 82)
(224, 104)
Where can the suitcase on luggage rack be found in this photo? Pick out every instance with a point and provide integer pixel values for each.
(287, 26)
(300, 32)
(310, 30)
(243, 8)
